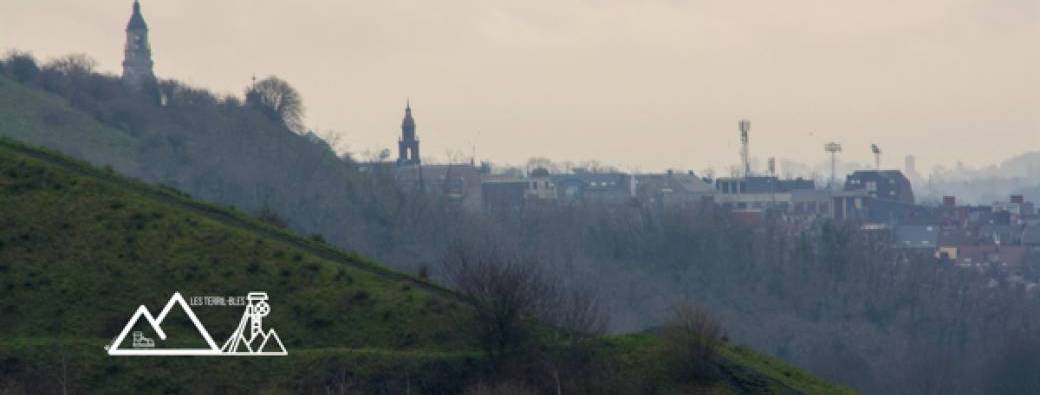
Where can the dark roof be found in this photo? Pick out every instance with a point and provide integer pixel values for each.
(676, 182)
(917, 236)
(1009, 255)
(136, 20)
(593, 181)
(763, 184)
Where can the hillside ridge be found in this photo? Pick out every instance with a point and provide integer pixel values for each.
(223, 216)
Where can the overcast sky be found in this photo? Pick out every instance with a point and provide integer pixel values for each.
(642, 84)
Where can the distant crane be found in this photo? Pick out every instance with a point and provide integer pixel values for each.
(745, 126)
(833, 148)
(877, 156)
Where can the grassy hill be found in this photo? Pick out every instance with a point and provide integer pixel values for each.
(40, 118)
(82, 247)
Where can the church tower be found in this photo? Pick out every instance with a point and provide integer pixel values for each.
(137, 56)
(408, 146)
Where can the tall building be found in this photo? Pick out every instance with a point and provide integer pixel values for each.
(137, 56)
(408, 146)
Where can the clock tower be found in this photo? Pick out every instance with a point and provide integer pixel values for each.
(137, 56)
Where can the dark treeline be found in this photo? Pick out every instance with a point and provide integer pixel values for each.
(826, 296)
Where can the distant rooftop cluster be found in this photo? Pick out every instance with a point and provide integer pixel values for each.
(879, 200)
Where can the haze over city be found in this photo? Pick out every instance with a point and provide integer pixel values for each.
(520, 198)
(642, 86)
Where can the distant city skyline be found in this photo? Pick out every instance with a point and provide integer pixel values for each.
(646, 86)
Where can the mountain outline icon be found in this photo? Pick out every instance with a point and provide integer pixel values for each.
(255, 310)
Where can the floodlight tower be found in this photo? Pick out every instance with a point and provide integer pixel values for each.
(833, 148)
(877, 156)
(745, 126)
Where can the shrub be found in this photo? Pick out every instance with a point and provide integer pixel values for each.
(21, 66)
(693, 337)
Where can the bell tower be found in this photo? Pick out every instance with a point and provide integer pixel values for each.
(137, 56)
(408, 146)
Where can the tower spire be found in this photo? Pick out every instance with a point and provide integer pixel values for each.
(408, 145)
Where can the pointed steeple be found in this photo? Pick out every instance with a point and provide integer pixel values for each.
(408, 123)
(408, 145)
(136, 19)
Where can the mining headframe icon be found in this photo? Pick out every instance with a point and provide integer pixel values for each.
(248, 339)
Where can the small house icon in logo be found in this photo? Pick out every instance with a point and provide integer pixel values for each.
(142, 342)
(249, 338)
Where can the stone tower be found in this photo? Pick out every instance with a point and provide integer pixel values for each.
(408, 146)
(137, 56)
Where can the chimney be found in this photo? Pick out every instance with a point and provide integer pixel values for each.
(949, 201)
(1017, 199)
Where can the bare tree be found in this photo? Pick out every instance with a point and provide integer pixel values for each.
(279, 101)
(577, 310)
(508, 294)
(69, 77)
(73, 65)
(693, 336)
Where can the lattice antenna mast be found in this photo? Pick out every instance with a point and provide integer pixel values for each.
(745, 126)
(877, 156)
(833, 148)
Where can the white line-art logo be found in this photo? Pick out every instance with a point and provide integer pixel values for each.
(248, 339)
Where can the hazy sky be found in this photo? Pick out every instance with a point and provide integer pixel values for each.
(642, 84)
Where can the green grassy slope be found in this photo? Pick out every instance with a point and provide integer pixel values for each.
(81, 248)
